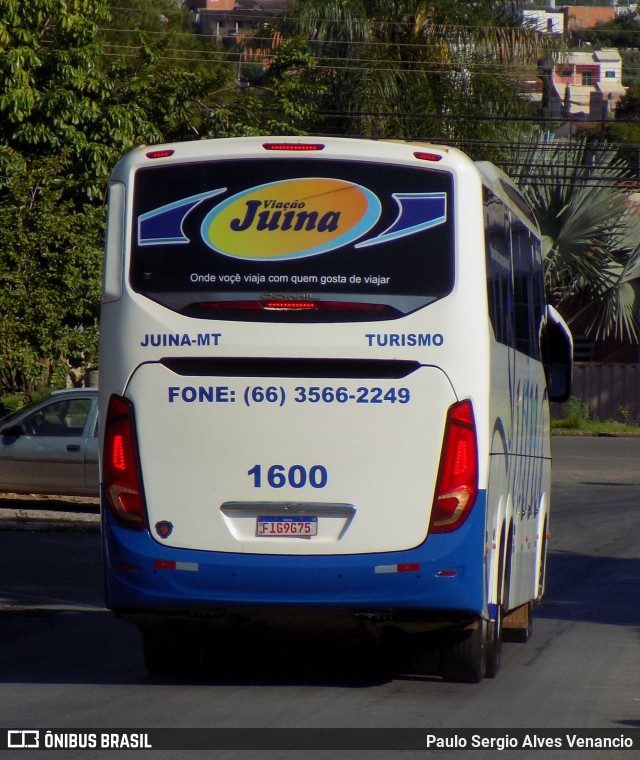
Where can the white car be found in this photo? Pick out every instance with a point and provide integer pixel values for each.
(51, 446)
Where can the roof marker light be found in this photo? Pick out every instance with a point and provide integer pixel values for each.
(300, 147)
(427, 156)
(165, 153)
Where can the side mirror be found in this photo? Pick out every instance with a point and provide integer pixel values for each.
(13, 431)
(557, 355)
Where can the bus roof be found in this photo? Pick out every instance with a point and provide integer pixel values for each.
(505, 188)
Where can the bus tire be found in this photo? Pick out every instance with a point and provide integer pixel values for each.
(463, 655)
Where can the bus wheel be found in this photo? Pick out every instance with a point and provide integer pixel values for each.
(463, 654)
(168, 654)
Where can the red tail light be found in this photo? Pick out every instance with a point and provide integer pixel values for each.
(457, 487)
(121, 478)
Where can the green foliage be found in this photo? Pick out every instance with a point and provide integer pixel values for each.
(292, 79)
(629, 105)
(281, 99)
(160, 71)
(591, 238)
(11, 403)
(81, 83)
(576, 420)
(68, 112)
(417, 69)
(50, 85)
(50, 263)
(577, 413)
(55, 157)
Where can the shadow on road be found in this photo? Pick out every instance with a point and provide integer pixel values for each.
(92, 647)
(592, 589)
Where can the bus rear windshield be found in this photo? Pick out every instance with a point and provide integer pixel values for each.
(292, 239)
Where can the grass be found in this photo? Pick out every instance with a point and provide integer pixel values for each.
(577, 421)
(595, 427)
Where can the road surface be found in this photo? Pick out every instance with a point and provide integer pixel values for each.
(66, 663)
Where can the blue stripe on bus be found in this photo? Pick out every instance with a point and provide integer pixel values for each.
(219, 579)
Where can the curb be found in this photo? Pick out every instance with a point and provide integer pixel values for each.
(44, 520)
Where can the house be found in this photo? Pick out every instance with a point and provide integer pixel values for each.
(556, 18)
(546, 20)
(227, 20)
(588, 16)
(584, 85)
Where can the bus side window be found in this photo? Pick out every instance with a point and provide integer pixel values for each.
(539, 299)
(527, 275)
(499, 281)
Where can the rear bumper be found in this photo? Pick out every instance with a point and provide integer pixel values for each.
(445, 573)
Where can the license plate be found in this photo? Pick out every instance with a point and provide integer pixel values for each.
(287, 526)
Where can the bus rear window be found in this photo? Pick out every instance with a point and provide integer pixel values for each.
(292, 239)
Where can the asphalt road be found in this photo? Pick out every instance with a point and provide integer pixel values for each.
(65, 662)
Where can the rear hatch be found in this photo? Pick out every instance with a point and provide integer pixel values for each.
(291, 465)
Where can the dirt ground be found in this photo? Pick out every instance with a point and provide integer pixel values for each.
(38, 501)
(39, 512)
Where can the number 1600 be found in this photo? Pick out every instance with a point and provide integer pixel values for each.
(296, 476)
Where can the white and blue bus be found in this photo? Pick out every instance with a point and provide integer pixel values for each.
(325, 370)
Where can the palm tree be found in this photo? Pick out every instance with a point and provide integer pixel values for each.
(591, 232)
(415, 69)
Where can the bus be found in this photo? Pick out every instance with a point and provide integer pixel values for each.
(325, 374)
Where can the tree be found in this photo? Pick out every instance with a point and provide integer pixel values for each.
(159, 66)
(81, 83)
(275, 98)
(50, 263)
(68, 113)
(53, 165)
(591, 236)
(415, 69)
(629, 105)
